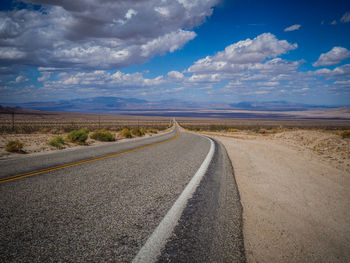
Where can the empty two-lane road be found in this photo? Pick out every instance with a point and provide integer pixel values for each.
(104, 210)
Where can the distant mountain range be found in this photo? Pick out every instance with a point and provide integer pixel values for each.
(116, 104)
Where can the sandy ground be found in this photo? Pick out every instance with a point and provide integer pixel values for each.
(294, 189)
(35, 143)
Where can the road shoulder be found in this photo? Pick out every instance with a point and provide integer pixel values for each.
(210, 228)
(295, 206)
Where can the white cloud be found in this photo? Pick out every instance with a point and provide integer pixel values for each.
(243, 52)
(175, 75)
(249, 65)
(10, 53)
(205, 78)
(45, 76)
(86, 34)
(21, 79)
(259, 92)
(343, 82)
(253, 67)
(292, 28)
(169, 42)
(102, 79)
(341, 71)
(163, 11)
(332, 57)
(131, 12)
(275, 66)
(345, 18)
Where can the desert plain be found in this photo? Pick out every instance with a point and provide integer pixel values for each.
(293, 174)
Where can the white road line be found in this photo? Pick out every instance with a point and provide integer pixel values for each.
(152, 248)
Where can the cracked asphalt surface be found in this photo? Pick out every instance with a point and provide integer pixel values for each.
(104, 211)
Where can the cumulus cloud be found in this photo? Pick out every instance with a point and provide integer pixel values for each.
(275, 66)
(205, 78)
(254, 67)
(345, 18)
(175, 75)
(9, 53)
(236, 56)
(169, 42)
(19, 80)
(292, 28)
(86, 34)
(332, 57)
(100, 78)
(341, 71)
(45, 76)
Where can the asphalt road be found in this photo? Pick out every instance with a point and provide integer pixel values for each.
(105, 210)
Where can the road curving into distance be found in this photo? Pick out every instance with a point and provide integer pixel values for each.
(111, 207)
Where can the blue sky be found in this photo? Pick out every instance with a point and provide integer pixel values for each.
(199, 50)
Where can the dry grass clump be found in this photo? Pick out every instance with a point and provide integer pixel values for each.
(14, 147)
(138, 132)
(103, 136)
(78, 136)
(154, 131)
(57, 142)
(126, 133)
(345, 134)
(269, 130)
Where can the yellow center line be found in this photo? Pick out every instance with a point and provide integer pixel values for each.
(19, 176)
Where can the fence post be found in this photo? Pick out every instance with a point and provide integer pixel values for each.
(13, 121)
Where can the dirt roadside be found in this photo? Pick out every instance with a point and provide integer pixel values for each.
(37, 143)
(295, 195)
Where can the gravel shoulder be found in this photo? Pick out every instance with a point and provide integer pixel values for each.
(296, 203)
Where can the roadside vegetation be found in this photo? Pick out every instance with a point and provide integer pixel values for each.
(345, 134)
(126, 133)
(103, 136)
(48, 131)
(342, 131)
(57, 142)
(78, 136)
(14, 147)
(138, 132)
(224, 128)
(154, 131)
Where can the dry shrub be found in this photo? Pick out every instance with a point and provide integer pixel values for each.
(78, 136)
(57, 142)
(345, 134)
(137, 132)
(152, 131)
(125, 133)
(103, 136)
(14, 147)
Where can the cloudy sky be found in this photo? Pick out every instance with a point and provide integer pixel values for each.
(198, 50)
